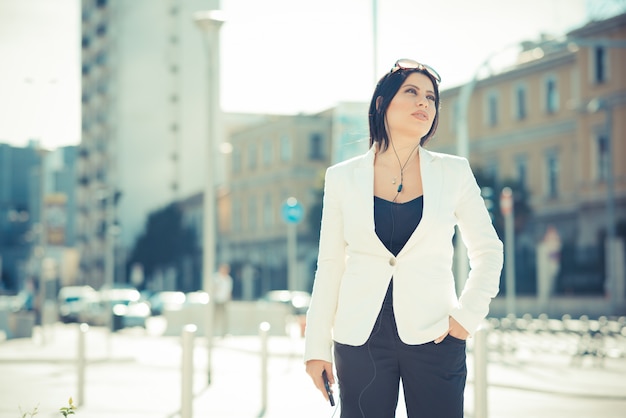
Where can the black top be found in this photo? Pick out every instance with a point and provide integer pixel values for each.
(395, 222)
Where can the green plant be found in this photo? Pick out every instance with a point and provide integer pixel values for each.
(68, 410)
(65, 411)
(29, 414)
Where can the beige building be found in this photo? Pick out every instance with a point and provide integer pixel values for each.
(541, 125)
(270, 162)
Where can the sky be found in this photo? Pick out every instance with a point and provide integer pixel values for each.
(304, 55)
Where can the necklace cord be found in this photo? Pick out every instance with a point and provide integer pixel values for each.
(402, 167)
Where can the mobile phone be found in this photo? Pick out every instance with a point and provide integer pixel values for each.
(328, 391)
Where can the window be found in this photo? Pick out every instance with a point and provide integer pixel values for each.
(521, 171)
(285, 148)
(101, 58)
(454, 117)
(236, 215)
(101, 29)
(236, 160)
(268, 151)
(552, 95)
(315, 147)
(252, 213)
(599, 65)
(491, 170)
(520, 102)
(492, 109)
(268, 211)
(252, 155)
(552, 175)
(602, 157)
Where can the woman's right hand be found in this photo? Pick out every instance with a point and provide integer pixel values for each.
(315, 368)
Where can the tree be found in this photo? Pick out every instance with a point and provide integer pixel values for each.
(314, 216)
(164, 242)
(491, 189)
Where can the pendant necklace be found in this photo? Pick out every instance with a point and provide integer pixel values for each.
(402, 166)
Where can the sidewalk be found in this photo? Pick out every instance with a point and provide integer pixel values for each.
(133, 374)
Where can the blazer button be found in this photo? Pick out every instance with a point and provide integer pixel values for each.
(392, 261)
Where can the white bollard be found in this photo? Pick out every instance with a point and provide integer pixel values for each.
(480, 373)
(186, 406)
(81, 362)
(210, 315)
(264, 329)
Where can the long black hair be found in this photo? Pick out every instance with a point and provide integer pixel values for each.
(386, 89)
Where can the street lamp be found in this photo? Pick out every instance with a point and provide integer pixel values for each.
(109, 199)
(210, 22)
(615, 284)
(463, 150)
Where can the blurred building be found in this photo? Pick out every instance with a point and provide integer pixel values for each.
(18, 168)
(533, 126)
(350, 130)
(143, 121)
(37, 213)
(271, 159)
(270, 162)
(540, 127)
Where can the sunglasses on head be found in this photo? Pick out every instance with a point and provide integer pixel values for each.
(409, 64)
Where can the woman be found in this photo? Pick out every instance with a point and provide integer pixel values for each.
(384, 293)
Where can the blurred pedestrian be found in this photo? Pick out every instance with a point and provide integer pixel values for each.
(222, 294)
(384, 293)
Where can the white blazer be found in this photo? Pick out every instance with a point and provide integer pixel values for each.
(354, 267)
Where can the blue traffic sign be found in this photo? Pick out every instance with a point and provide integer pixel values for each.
(292, 211)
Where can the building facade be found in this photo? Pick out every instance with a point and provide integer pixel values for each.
(37, 214)
(19, 167)
(553, 126)
(271, 162)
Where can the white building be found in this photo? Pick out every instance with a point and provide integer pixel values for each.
(144, 125)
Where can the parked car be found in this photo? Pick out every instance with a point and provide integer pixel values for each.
(199, 297)
(134, 314)
(74, 300)
(100, 310)
(119, 295)
(166, 300)
(297, 300)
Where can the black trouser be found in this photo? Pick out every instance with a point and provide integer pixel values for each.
(433, 375)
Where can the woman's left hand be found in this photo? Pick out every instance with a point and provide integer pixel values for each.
(454, 329)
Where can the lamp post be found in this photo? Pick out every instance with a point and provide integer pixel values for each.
(41, 248)
(615, 284)
(109, 198)
(210, 22)
(462, 150)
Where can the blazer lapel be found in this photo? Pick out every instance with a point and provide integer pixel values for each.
(432, 181)
(364, 180)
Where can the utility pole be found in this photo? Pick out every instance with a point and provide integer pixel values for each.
(210, 22)
(506, 207)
